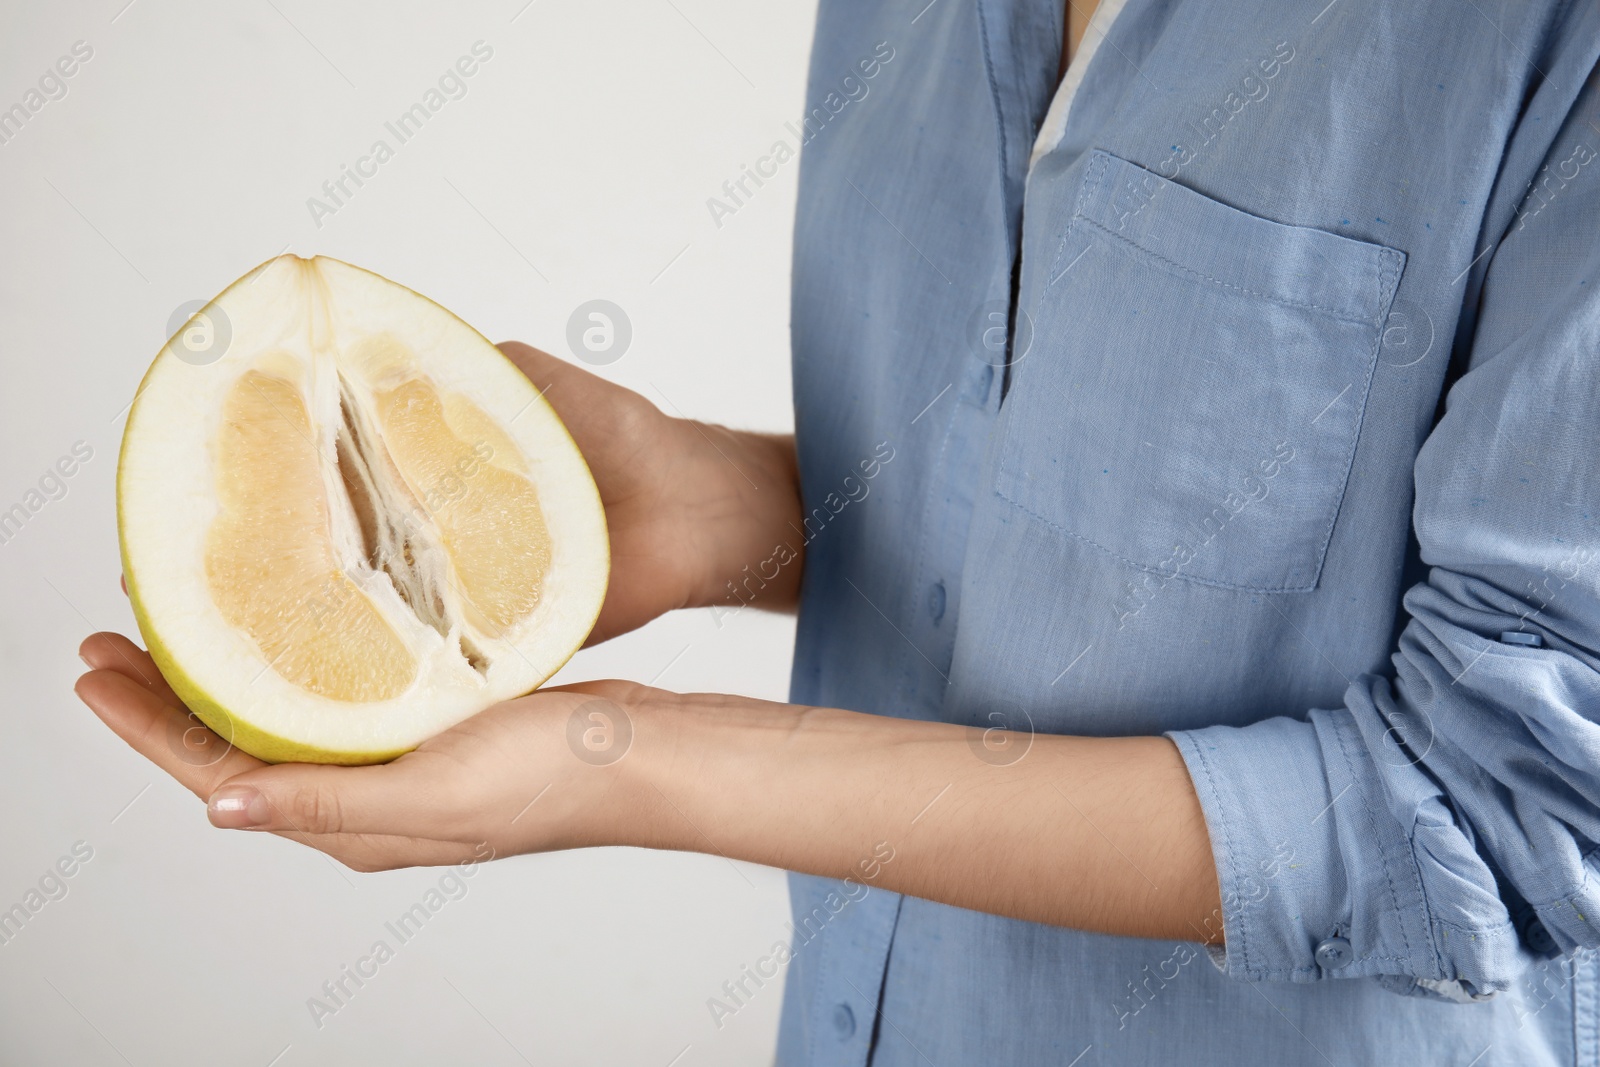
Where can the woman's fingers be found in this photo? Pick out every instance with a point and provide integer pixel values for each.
(107, 651)
(369, 818)
(128, 694)
(395, 799)
(162, 729)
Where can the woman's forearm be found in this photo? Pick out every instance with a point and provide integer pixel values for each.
(1102, 834)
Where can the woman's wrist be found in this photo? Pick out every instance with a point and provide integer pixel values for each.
(743, 518)
(749, 779)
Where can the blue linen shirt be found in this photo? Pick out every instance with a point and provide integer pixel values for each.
(1289, 455)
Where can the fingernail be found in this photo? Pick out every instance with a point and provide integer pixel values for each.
(237, 807)
(86, 662)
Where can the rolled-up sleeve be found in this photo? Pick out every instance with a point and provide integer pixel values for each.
(1439, 830)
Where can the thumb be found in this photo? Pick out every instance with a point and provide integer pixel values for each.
(318, 799)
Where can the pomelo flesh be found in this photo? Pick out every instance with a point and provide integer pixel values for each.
(357, 526)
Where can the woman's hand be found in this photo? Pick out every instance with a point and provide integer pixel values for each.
(544, 771)
(688, 505)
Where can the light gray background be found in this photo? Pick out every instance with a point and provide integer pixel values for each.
(182, 155)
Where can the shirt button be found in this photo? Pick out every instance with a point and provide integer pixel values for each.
(1522, 637)
(1539, 939)
(1334, 953)
(844, 1021)
(936, 598)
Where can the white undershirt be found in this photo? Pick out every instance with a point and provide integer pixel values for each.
(1055, 120)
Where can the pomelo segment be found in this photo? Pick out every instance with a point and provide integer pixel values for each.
(270, 562)
(358, 526)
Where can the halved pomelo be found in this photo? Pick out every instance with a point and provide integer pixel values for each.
(355, 526)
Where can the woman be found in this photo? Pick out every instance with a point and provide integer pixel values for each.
(1182, 675)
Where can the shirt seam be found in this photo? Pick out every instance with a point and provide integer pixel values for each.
(1388, 875)
(1092, 174)
(1200, 758)
(920, 559)
(999, 117)
(1473, 931)
(1388, 283)
(1568, 899)
(1338, 314)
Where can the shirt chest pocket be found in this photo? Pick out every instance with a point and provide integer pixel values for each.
(1195, 385)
